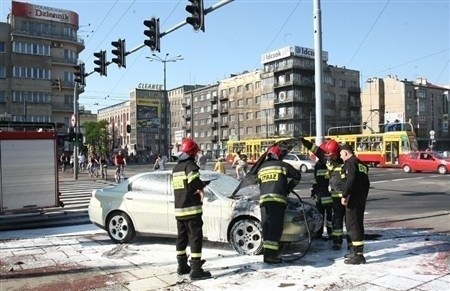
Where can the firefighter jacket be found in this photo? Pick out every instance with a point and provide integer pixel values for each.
(320, 183)
(185, 182)
(273, 180)
(357, 182)
(336, 173)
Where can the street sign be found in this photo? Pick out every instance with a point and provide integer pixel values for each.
(73, 120)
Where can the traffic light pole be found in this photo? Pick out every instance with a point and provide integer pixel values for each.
(77, 131)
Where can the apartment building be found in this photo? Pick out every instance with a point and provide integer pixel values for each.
(422, 104)
(39, 46)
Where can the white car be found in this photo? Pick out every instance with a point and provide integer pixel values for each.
(300, 162)
(144, 205)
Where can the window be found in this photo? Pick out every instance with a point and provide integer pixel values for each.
(155, 184)
(2, 47)
(2, 72)
(2, 96)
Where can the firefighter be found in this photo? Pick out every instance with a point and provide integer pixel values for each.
(188, 191)
(354, 197)
(321, 194)
(274, 186)
(328, 154)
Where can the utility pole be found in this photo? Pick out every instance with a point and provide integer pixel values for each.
(77, 131)
(317, 16)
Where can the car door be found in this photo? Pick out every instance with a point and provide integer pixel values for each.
(147, 202)
(427, 162)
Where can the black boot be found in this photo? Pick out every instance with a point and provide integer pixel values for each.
(357, 256)
(271, 257)
(183, 267)
(197, 273)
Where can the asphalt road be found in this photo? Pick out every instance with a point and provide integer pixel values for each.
(422, 198)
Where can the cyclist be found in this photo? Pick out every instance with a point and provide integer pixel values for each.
(120, 162)
(93, 166)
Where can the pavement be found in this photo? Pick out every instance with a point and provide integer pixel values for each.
(84, 258)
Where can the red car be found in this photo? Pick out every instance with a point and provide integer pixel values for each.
(426, 161)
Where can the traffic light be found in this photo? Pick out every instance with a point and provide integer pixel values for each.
(101, 62)
(197, 18)
(72, 136)
(80, 74)
(153, 40)
(119, 52)
(80, 138)
(57, 84)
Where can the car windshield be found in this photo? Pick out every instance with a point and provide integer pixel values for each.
(303, 157)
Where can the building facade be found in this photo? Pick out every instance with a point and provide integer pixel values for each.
(39, 47)
(422, 104)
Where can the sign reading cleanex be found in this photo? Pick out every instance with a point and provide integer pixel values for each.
(148, 86)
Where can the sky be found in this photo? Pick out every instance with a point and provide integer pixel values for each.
(406, 38)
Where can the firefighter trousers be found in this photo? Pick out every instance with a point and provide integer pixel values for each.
(327, 213)
(272, 217)
(354, 218)
(190, 232)
(338, 221)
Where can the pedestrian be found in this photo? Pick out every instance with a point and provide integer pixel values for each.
(322, 196)
(202, 159)
(160, 163)
(274, 187)
(328, 154)
(188, 191)
(354, 197)
(219, 166)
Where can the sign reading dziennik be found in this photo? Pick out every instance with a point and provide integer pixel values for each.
(43, 12)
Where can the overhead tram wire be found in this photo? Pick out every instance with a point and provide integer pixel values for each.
(367, 34)
(137, 58)
(281, 29)
(99, 26)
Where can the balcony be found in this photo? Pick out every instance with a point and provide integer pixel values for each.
(304, 82)
(49, 35)
(354, 89)
(61, 106)
(214, 112)
(214, 99)
(223, 97)
(186, 116)
(224, 124)
(214, 138)
(283, 116)
(186, 105)
(224, 110)
(288, 99)
(214, 125)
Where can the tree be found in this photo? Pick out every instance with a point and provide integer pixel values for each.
(97, 137)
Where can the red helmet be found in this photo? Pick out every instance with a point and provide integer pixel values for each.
(332, 148)
(324, 147)
(190, 147)
(275, 151)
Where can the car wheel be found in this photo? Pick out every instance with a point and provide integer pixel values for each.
(120, 228)
(407, 169)
(303, 168)
(246, 237)
(442, 170)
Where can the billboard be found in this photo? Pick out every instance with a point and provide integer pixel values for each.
(148, 115)
(43, 12)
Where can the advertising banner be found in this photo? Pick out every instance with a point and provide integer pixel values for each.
(148, 115)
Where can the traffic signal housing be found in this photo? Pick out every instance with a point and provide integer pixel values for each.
(197, 18)
(57, 84)
(152, 32)
(80, 74)
(101, 62)
(119, 52)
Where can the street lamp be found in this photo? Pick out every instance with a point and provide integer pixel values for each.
(370, 81)
(168, 133)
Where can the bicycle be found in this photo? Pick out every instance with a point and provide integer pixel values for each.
(120, 175)
(93, 171)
